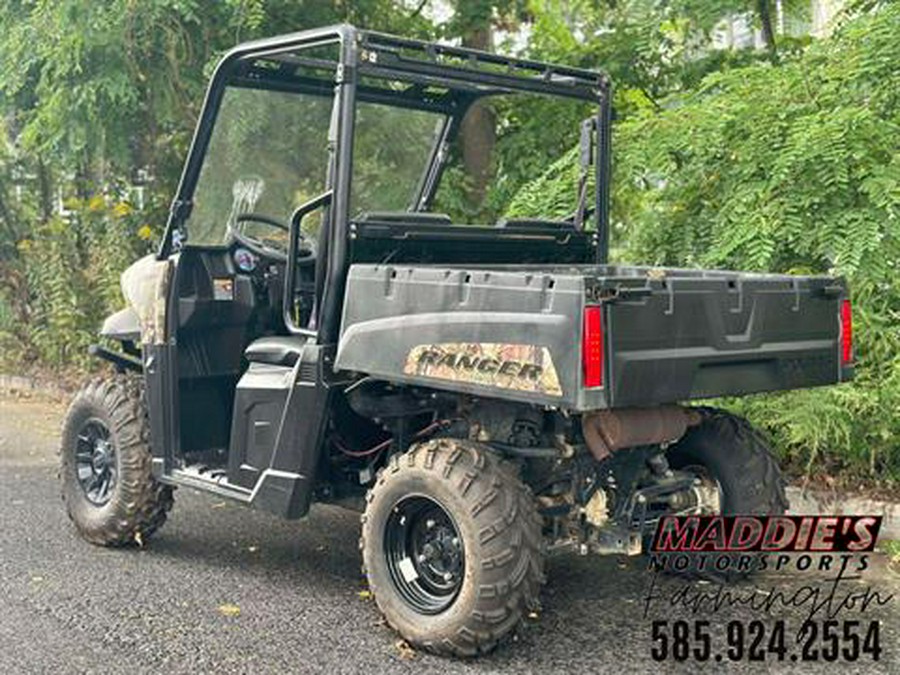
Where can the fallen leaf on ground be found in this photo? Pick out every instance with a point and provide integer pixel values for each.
(229, 609)
(404, 651)
(365, 595)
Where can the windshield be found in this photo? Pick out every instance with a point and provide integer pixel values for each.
(268, 154)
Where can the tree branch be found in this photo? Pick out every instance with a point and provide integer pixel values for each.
(418, 9)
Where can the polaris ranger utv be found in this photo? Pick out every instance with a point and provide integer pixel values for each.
(311, 330)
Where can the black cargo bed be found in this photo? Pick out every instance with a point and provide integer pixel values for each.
(668, 335)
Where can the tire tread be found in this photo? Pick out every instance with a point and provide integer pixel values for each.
(142, 503)
(509, 532)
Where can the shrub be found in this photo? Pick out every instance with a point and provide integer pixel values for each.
(66, 280)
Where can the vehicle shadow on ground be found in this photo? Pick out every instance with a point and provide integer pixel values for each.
(321, 553)
(322, 549)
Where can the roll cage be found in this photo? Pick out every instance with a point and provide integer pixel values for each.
(436, 77)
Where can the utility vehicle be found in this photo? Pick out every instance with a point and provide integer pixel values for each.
(313, 329)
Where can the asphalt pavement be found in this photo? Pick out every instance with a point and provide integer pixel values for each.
(226, 589)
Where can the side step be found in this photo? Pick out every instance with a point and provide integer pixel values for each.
(215, 482)
(278, 492)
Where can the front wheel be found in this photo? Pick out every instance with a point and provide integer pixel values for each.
(105, 465)
(452, 547)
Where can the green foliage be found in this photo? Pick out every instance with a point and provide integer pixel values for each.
(794, 168)
(52, 268)
(68, 279)
(100, 88)
(553, 192)
(649, 48)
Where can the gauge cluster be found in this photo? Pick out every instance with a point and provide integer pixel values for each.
(245, 260)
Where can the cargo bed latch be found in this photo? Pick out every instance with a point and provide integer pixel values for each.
(737, 285)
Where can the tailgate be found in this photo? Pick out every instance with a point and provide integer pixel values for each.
(688, 336)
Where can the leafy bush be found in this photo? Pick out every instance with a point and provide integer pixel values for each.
(67, 277)
(789, 168)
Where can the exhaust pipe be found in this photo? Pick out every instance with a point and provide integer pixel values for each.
(606, 431)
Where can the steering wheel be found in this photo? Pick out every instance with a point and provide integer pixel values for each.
(261, 247)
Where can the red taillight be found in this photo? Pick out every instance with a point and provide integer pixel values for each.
(592, 347)
(846, 333)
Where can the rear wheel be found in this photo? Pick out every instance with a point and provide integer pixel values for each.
(736, 472)
(105, 465)
(725, 451)
(452, 547)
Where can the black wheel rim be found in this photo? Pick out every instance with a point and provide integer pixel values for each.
(95, 462)
(425, 554)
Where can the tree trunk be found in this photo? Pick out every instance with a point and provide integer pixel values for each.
(765, 19)
(477, 131)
